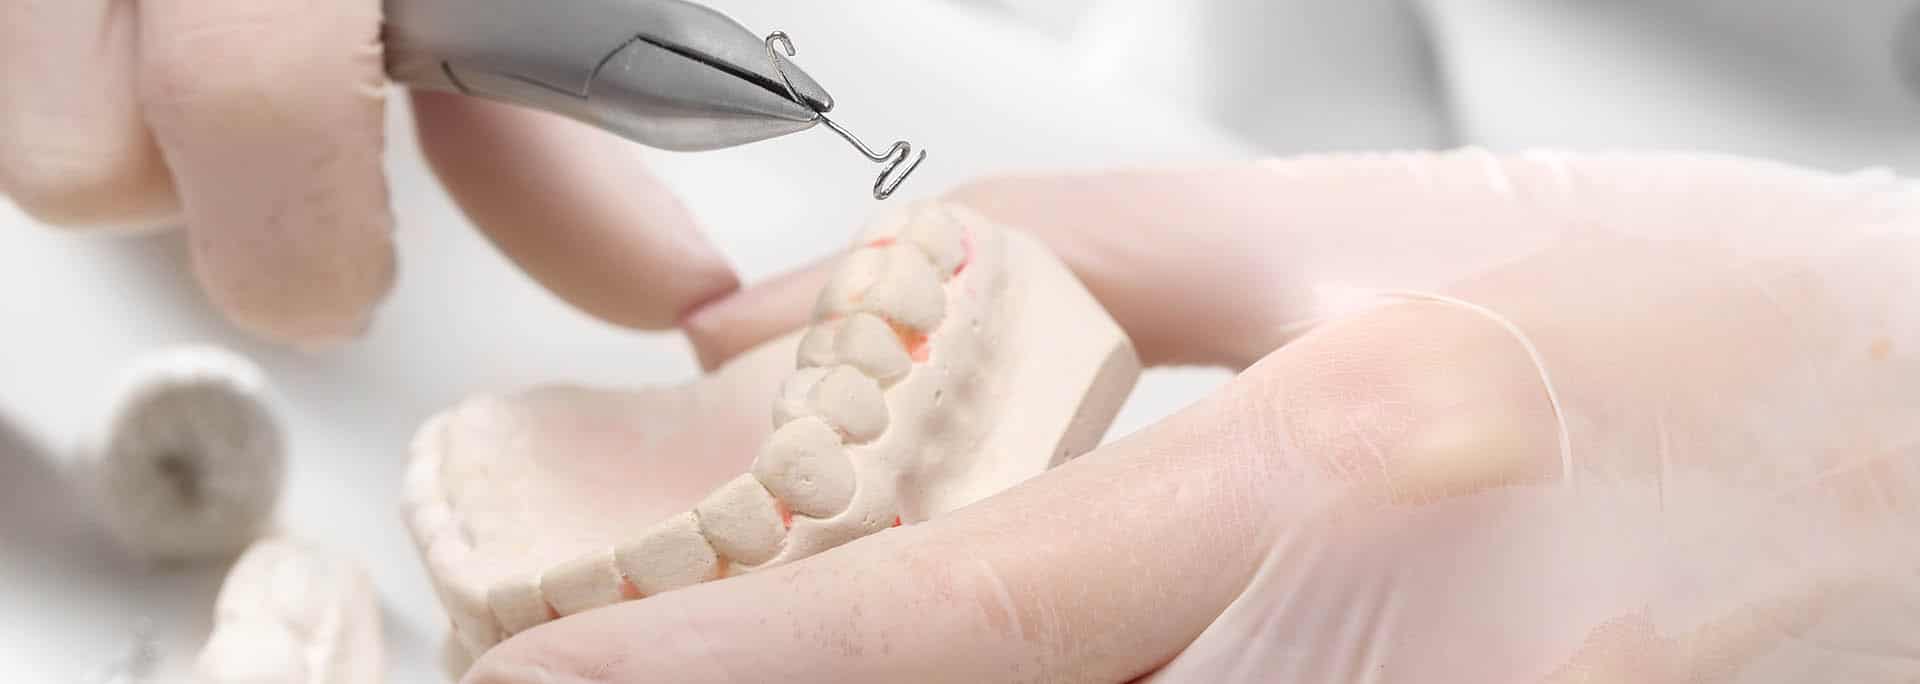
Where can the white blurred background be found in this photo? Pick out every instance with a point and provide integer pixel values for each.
(986, 86)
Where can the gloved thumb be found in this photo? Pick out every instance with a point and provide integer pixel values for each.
(1105, 568)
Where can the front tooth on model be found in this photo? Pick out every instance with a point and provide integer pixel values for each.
(583, 584)
(851, 402)
(742, 521)
(805, 465)
(518, 604)
(671, 555)
(869, 344)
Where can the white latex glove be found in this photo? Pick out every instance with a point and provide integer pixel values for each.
(259, 123)
(1541, 419)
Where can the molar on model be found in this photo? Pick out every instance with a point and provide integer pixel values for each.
(871, 345)
(895, 282)
(851, 403)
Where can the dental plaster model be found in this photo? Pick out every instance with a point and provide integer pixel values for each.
(190, 461)
(292, 614)
(948, 360)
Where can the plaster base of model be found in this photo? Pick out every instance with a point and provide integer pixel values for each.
(290, 614)
(191, 461)
(948, 360)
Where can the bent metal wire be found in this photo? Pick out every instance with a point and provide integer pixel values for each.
(894, 158)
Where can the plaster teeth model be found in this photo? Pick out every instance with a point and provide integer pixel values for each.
(190, 461)
(291, 614)
(948, 359)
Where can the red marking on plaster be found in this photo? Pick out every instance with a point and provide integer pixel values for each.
(786, 512)
(1881, 349)
(882, 242)
(896, 521)
(628, 591)
(914, 341)
(966, 245)
(551, 613)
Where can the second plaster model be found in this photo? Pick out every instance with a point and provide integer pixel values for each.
(290, 613)
(948, 360)
(191, 460)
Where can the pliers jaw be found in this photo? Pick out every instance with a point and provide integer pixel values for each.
(669, 74)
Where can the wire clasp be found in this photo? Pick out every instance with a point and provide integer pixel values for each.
(895, 158)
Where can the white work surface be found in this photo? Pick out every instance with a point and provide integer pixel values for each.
(1097, 83)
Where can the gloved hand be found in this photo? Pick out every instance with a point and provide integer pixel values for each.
(259, 123)
(1535, 419)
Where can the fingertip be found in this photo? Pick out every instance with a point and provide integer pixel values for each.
(281, 179)
(575, 208)
(314, 306)
(74, 151)
(728, 326)
(118, 189)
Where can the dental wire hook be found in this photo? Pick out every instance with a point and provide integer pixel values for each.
(893, 158)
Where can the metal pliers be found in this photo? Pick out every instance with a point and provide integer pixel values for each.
(669, 74)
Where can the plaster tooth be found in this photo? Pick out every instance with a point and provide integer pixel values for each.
(793, 402)
(896, 282)
(853, 277)
(582, 584)
(909, 291)
(937, 233)
(671, 555)
(817, 348)
(742, 521)
(518, 604)
(805, 465)
(851, 402)
(888, 224)
(869, 344)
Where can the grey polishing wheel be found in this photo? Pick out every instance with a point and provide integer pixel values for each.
(190, 460)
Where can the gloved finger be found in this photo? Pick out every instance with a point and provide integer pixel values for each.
(730, 326)
(1105, 568)
(1267, 250)
(269, 113)
(1242, 251)
(1257, 254)
(575, 208)
(73, 148)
